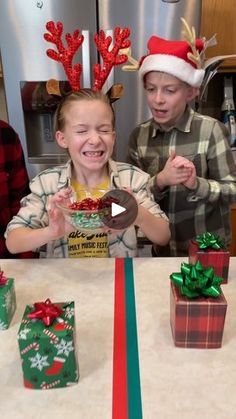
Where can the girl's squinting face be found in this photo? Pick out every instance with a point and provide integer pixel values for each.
(167, 97)
(88, 134)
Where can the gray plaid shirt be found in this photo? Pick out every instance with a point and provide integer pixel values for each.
(203, 140)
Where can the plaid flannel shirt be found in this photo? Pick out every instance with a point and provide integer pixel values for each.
(34, 210)
(204, 141)
(13, 182)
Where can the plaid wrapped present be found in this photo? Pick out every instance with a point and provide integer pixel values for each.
(197, 322)
(46, 339)
(210, 251)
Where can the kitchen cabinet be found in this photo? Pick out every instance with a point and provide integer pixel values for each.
(219, 17)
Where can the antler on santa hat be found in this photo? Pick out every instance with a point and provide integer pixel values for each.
(180, 58)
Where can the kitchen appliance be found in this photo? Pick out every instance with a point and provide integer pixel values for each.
(228, 109)
(26, 68)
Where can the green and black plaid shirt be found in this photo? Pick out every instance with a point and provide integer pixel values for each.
(204, 141)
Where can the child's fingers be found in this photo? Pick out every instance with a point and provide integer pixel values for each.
(63, 193)
(179, 162)
(60, 196)
(172, 155)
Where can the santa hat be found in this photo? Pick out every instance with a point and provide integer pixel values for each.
(172, 57)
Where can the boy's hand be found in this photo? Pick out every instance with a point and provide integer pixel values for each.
(177, 170)
(191, 182)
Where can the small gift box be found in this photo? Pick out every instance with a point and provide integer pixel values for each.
(7, 301)
(197, 307)
(46, 339)
(210, 251)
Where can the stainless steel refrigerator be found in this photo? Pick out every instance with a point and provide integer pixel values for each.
(26, 68)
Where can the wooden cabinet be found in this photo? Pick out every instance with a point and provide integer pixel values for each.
(219, 17)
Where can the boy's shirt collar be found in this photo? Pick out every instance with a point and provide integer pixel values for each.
(183, 124)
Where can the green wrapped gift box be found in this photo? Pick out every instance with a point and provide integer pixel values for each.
(48, 353)
(7, 303)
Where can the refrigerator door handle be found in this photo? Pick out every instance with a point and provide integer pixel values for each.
(86, 60)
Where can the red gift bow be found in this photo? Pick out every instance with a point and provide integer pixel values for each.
(45, 311)
(3, 279)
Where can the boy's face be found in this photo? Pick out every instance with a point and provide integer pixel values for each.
(88, 134)
(167, 97)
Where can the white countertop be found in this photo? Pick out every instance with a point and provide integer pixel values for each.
(176, 383)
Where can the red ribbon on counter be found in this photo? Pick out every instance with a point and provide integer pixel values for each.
(3, 279)
(46, 311)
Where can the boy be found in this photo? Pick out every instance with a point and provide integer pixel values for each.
(187, 154)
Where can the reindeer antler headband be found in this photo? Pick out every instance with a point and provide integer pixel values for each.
(110, 56)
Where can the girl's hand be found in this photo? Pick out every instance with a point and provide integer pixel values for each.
(58, 226)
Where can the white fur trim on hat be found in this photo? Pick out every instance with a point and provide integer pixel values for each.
(173, 65)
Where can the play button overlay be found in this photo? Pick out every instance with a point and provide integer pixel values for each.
(124, 209)
(116, 209)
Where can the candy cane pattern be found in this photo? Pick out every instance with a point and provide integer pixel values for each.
(45, 386)
(33, 345)
(54, 338)
(62, 325)
(68, 326)
(24, 321)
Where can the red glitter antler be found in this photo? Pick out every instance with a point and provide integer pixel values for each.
(65, 55)
(110, 58)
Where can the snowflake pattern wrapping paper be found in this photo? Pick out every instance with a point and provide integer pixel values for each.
(7, 303)
(48, 354)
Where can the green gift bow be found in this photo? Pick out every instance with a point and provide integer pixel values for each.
(209, 240)
(196, 281)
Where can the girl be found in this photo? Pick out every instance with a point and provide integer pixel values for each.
(85, 127)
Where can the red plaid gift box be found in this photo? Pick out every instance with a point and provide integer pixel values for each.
(219, 259)
(198, 322)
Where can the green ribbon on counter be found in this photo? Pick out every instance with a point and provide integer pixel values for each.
(209, 241)
(197, 281)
